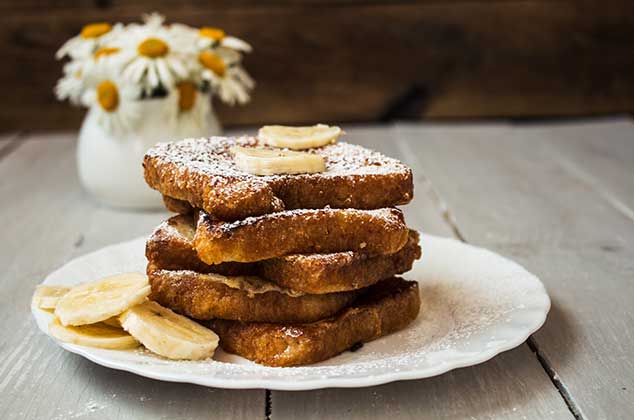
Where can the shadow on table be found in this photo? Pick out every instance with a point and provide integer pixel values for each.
(561, 333)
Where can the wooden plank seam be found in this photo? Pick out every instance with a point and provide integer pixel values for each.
(267, 404)
(448, 216)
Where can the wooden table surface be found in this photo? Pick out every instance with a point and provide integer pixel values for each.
(557, 198)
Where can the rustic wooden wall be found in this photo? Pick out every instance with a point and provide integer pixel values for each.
(353, 60)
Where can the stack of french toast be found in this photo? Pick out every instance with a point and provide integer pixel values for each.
(286, 244)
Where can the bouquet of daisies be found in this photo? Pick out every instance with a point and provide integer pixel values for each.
(113, 68)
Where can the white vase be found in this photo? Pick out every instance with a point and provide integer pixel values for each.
(110, 165)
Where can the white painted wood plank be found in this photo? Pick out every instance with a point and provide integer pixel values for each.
(515, 196)
(512, 385)
(8, 143)
(600, 152)
(9, 136)
(48, 220)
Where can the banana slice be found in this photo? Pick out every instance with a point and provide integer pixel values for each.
(99, 300)
(113, 322)
(298, 138)
(273, 162)
(94, 335)
(46, 297)
(168, 334)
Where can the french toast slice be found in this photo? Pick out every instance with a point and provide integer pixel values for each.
(376, 232)
(383, 308)
(339, 271)
(170, 247)
(203, 173)
(244, 298)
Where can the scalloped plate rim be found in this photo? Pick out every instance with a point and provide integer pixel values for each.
(292, 384)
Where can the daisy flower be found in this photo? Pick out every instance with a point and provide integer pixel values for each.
(105, 59)
(220, 68)
(193, 108)
(209, 37)
(115, 69)
(87, 41)
(153, 55)
(72, 85)
(116, 103)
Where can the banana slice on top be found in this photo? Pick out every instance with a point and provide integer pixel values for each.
(274, 162)
(96, 301)
(298, 138)
(168, 334)
(46, 297)
(94, 335)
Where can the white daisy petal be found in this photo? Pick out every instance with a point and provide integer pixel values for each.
(204, 43)
(228, 55)
(244, 77)
(235, 43)
(153, 20)
(178, 67)
(239, 92)
(164, 73)
(152, 77)
(134, 71)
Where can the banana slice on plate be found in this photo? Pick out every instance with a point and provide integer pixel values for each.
(273, 162)
(94, 335)
(46, 297)
(113, 322)
(168, 334)
(298, 138)
(96, 301)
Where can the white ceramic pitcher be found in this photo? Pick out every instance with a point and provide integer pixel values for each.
(110, 164)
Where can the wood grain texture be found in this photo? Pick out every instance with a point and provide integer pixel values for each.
(518, 197)
(362, 61)
(48, 220)
(605, 164)
(512, 385)
(8, 143)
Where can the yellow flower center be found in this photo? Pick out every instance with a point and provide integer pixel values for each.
(104, 51)
(186, 95)
(108, 95)
(212, 33)
(153, 47)
(213, 63)
(95, 30)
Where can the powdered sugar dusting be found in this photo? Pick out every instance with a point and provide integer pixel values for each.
(389, 218)
(212, 156)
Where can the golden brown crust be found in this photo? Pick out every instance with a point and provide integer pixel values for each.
(201, 297)
(386, 307)
(376, 232)
(170, 247)
(202, 172)
(328, 273)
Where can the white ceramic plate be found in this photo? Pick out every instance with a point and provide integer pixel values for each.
(475, 304)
